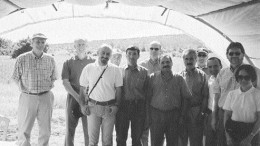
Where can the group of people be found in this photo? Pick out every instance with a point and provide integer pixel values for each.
(174, 108)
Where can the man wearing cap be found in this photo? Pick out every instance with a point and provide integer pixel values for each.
(202, 60)
(133, 102)
(70, 75)
(35, 73)
(152, 65)
(104, 81)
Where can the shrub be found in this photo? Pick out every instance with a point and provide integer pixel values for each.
(5, 46)
(23, 46)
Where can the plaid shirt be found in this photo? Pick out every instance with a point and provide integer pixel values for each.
(34, 74)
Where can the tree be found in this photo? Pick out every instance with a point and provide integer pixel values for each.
(23, 46)
(5, 46)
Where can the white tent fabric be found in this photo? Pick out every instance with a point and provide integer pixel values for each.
(238, 20)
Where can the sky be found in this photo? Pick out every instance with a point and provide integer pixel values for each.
(97, 23)
(66, 30)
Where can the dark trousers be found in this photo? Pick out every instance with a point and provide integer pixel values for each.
(164, 123)
(221, 137)
(72, 122)
(192, 129)
(209, 132)
(134, 112)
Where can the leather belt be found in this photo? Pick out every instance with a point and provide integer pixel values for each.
(104, 103)
(41, 93)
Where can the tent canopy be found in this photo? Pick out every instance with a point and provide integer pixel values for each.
(236, 20)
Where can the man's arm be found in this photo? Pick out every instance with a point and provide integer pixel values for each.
(227, 115)
(205, 94)
(70, 90)
(118, 95)
(17, 72)
(215, 110)
(82, 100)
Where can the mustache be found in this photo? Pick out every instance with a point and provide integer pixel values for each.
(167, 66)
(189, 64)
(104, 57)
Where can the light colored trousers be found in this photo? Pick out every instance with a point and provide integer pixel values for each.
(30, 108)
(104, 117)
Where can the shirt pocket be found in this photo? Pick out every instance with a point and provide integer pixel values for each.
(139, 82)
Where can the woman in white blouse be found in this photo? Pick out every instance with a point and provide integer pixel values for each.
(242, 107)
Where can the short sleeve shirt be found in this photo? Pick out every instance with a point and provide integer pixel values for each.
(72, 69)
(34, 74)
(151, 66)
(225, 83)
(105, 88)
(243, 105)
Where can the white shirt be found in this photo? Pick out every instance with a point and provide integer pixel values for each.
(105, 88)
(211, 82)
(243, 105)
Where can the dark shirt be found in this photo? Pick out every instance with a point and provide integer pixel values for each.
(135, 81)
(197, 82)
(167, 93)
(72, 69)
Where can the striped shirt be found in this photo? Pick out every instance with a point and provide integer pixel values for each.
(34, 74)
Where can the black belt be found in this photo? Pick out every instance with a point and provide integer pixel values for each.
(104, 103)
(41, 93)
(134, 101)
(195, 105)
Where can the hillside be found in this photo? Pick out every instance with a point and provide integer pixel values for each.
(169, 42)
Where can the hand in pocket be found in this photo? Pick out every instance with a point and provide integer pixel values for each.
(112, 110)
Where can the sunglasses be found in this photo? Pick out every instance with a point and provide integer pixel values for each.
(234, 53)
(202, 55)
(240, 77)
(156, 49)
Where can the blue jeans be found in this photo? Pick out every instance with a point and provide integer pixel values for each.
(164, 123)
(101, 117)
(72, 123)
(134, 112)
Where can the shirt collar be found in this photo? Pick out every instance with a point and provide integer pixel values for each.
(137, 67)
(97, 64)
(77, 57)
(154, 62)
(233, 70)
(248, 91)
(36, 57)
(190, 71)
(212, 77)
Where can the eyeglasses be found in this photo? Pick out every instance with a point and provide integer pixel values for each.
(240, 77)
(234, 53)
(202, 55)
(156, 49)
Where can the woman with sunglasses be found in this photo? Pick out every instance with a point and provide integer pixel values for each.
(242, 110)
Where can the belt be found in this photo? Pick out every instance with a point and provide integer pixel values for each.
(41, 93)
(195, 104)
(105, 103)
(134, 101)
